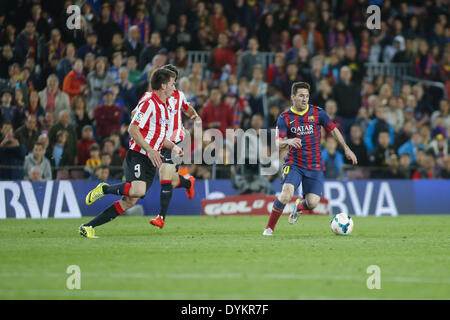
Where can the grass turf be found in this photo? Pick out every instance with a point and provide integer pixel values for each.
(226, 258)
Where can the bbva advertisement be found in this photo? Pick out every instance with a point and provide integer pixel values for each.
(66, 199)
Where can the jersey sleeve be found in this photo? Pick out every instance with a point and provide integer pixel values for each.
(184, 103)
(325, 121)
(282, 128)
(145, 109)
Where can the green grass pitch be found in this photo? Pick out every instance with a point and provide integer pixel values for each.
(226, 258)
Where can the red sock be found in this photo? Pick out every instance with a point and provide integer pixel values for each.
(302, 206)
(277, 210)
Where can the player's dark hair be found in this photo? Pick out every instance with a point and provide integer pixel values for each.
(161, 76)
(172, 68)
(300, 85)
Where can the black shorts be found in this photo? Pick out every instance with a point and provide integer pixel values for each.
(139, 167)
(167, 155)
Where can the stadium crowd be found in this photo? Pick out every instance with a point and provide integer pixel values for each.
(67, 94)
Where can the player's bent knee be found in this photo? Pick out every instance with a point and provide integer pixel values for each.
(285, 196)
(312, 202)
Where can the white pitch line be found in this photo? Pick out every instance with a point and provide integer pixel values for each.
(287, 276)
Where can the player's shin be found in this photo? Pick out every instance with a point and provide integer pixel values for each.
(165, 197)
(122, 189)
(107, 215)
(277, 210)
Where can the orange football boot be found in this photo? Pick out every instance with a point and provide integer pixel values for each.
(158, 222)
(191, 191)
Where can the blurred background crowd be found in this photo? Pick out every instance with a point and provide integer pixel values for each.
(67, 94)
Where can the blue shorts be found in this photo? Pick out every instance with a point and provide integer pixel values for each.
(312, 181)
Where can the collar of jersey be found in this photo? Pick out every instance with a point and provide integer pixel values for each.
(300, 113)
(157, 98)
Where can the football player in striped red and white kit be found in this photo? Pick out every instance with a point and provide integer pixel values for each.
(148, 130)
(168, 176)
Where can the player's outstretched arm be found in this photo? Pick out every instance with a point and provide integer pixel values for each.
(155, 156)
(340, 139)
(192, 114)
(285, 143)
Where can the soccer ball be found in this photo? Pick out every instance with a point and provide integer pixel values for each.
(342, 224)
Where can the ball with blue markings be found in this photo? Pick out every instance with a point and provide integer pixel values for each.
(342, 224)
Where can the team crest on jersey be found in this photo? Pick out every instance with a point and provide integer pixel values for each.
(311, 119)
(139, 116)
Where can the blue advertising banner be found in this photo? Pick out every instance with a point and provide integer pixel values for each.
(66, 199)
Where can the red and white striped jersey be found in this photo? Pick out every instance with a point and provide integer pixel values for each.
(176, 128)
(152, 118)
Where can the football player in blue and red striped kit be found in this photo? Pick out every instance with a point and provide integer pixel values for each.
(299, 132)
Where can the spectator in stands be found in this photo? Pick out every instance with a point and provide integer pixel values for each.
(394, 113)
(150, 51)
(34, 175)
(376, 126)
(116, 158)
(107, 115)
(266, 33)
(28, 43)
(52, 98)
(142, 21)
(12, 154)
(250, 58)
(323, 94)
(445, 174)
(87, 139)
(411, 146)
(91, 46)
(132, 45)
(424, 60)
(222, 58)
(428, 170)
(118, 148)
(340, 36)
(65, 64)
(98, 81)
(381, 155)
(217, 114)
(79, 116)
(356, 65)
(258, 80)
(332, 159)
(313, 38)
(357, 145)
(127, 91)
(439, 146)
(75, 81)
(94, 159)
(198, 84)
(7, 58)
(315, 74)
(275, 73)
(181, 61)
(60, 155)
(332, 67)
(101, 173)
(28, 134)
(134, 75)
(8, 111)
(444, 112)
(55, 46)
(106, 27)
(70, 142)
(116, 45)
(348, 102)
(293, 53)
(36, 159)
(117, 61)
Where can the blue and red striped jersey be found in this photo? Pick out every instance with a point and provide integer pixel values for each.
(304, 125)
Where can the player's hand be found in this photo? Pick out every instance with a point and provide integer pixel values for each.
(295, 142)
(196, 118)
(178, 151)
(351, 156)
(155, 158)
